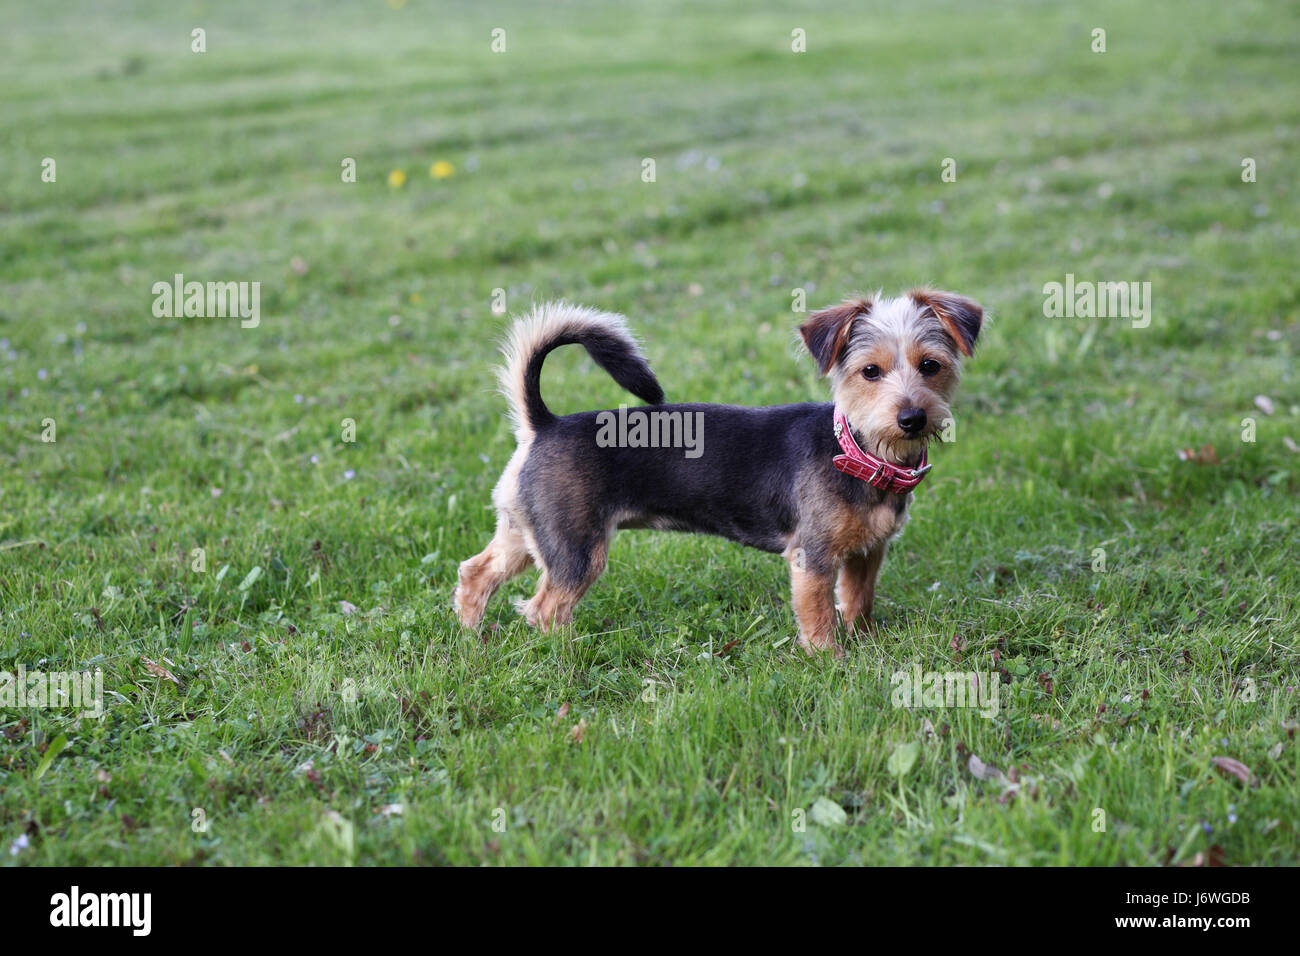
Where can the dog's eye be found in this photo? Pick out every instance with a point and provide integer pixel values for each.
(930, 367)
(871, 373)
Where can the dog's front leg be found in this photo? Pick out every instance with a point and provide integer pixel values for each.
(813, 597)
(856, 590)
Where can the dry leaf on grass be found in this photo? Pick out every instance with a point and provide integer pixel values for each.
(984, 771)
(157, 670)
(579, 731)
(1205, 455)
(1234, 768)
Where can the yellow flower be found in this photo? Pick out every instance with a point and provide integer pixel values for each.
(396, 4)
(442, 169)
(397, 179)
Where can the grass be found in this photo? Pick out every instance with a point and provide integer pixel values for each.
(294, 728)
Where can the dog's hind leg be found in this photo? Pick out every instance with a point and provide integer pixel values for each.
(480, 576)
(564, 581)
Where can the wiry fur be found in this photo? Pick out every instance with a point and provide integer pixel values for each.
(764, 476)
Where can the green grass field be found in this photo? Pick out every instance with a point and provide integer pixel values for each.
(327, 708)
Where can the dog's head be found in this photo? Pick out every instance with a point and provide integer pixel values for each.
(894, 364)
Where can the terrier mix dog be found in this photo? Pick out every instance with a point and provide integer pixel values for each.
(826, 485)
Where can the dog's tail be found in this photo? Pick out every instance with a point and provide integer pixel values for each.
(604, 336)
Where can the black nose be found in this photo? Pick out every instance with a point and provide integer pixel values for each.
(911, 420)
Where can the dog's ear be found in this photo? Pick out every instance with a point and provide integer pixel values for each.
(827, 332)
(961, 316)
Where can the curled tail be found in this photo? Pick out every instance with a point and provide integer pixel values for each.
(604, 336)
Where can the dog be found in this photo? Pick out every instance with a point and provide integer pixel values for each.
(826, 485)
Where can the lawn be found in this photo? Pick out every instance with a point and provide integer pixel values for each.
(268, 601)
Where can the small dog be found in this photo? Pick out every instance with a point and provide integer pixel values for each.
(825, 485)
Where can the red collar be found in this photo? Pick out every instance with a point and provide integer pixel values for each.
(874, 471)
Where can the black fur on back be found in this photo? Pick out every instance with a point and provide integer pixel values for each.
(746, 485)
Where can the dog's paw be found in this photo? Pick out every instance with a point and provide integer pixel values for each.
(524, 608)
(543, 612)
(863, 626)
(819, 645)
(469, 613)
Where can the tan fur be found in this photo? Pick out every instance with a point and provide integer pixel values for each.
(814, 609)
(945, 306)
(479, 577)
(856, 588)
(846, 528)
(552, 606)
(856, 539)
(835, 325)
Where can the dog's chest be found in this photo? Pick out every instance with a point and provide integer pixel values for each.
(868, 524)
(888, 518)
